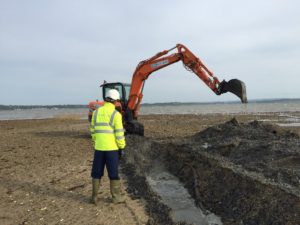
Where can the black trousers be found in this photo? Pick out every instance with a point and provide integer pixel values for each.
(110, 159)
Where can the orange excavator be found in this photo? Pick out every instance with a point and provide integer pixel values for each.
(131, 94)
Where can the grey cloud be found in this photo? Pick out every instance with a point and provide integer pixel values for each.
(66, 48)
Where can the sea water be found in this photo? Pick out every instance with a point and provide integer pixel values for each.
(287, 109)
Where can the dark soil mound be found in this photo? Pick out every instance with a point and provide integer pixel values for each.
(257, 146)
(255, 130)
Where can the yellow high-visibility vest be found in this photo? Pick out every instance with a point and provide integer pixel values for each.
(107, 128)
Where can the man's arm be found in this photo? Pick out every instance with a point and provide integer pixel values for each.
(119, 131)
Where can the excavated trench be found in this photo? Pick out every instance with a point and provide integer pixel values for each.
(231, 173)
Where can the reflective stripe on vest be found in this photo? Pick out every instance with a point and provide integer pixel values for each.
(112, 118)
(103, 131)
(95, 116)
(119, 130)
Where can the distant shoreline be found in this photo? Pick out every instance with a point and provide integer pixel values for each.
(14, 107)
(76, 106)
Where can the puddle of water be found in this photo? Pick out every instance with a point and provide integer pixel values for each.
(290, 120)
(268, 120)
(287, 121)
(175, 196)
(289, 124)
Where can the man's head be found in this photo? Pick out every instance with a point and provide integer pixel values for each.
(112, 95)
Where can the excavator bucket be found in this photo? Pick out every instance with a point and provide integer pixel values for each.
(236, 87)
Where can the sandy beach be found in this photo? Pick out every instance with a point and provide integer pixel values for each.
(241, 169)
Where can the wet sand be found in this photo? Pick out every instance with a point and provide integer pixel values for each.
(45, 172)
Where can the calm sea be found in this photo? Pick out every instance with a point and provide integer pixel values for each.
(291, 109)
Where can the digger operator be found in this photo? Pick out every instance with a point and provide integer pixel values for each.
(109, 142)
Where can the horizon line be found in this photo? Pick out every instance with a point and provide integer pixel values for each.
(168, 103)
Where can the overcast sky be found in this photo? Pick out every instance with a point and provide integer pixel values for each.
(60, 51)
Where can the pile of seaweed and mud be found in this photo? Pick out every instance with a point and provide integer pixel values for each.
(246, 173)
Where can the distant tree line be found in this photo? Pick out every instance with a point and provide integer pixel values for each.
(13, 107)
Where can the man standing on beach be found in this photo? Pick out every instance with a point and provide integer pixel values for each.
(109, 142)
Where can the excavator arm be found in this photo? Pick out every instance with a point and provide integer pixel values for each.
(191, 63)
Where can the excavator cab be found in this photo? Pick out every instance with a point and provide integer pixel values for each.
(132, 126)
(122, 88)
